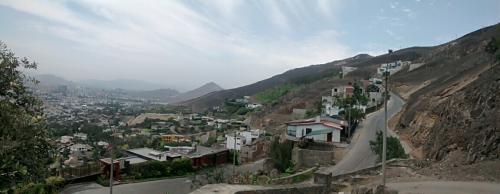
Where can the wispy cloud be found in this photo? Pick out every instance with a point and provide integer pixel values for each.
(166, 31)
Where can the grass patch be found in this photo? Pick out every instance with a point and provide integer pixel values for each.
(271, 96)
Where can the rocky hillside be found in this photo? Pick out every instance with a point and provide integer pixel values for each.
(311, 72)
(453, 100)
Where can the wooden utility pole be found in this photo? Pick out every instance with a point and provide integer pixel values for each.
(112, 158)
(384, 144)
(349, 122)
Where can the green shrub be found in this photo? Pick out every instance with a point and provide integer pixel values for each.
(394, 148)
(103, 181)
(272, 95)
(156, 169)
(281, 154)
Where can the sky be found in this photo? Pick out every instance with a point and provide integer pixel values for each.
(184, 44)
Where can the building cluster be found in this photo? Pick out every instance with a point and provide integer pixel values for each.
(330, 126)
(392, 67)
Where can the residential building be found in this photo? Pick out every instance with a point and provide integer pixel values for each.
(375, 98)
(66, 139)
(81, 150)
(254, 151)
(343, 91)
(321, 129)
(242, 138)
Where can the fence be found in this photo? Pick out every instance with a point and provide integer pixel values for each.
(81, 171)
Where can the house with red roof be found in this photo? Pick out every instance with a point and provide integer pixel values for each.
(319, 129)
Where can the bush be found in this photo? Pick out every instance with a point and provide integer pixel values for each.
(103, 181)
(394, 148)
(156, 169)
(55, 181)
(33, 188)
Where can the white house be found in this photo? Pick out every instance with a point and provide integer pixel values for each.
(330, 108)
(318, 129)
(66, 139)
(375, 98)
(392, 67)
(81, 136)
(253, 105)
(242, 138)
(81, 150)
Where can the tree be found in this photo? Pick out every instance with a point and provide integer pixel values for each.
(24, 150)
(394, 148)
(281, 154)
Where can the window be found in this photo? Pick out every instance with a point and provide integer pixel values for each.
(308, 130)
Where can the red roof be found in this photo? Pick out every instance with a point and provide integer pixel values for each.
(313, 122)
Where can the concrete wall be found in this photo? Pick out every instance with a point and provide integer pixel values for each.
(305, 158)
(299, 189)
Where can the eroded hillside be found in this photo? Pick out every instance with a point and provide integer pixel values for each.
(452, 100)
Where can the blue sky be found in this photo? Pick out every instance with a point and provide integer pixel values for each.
(183, 44)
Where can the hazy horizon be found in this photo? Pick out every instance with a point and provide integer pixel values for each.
(185, 44)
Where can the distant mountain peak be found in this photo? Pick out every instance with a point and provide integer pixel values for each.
(362, 56)
(211, 85)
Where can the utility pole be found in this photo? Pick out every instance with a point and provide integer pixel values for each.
(384, 145)
(234, 153)
(112, 163)
(349, 121)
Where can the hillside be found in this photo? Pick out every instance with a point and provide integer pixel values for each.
(195, 93)
(294, 75)
(452, 100)
(452, 97)
(156, 95)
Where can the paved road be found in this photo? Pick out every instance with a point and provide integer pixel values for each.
(170, 186)
(359, 153)
(445, 187)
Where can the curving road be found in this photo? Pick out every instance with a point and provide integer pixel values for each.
(359, 153)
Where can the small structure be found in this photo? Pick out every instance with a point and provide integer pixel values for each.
(242, 138)
(321, 129)
(66, 139)
(343, 91)
(81, 150)
(82, 136)
(150, 154)
(173, 138)
(253, 105)
(106, 168)
(205, 156)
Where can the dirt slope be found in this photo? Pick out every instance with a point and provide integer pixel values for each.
(453, 100)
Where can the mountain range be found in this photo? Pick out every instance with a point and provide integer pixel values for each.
(133, 88)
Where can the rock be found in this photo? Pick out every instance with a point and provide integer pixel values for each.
(380, 190)
(274, 173)
(362, 190)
